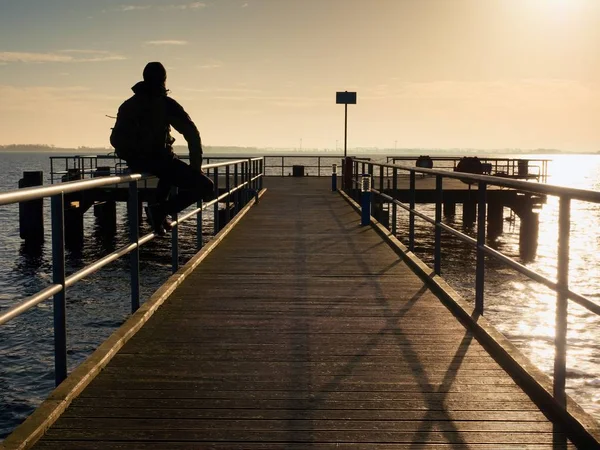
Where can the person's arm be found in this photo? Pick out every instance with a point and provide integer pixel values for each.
(181, 121)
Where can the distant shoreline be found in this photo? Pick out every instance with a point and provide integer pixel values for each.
(222, 150)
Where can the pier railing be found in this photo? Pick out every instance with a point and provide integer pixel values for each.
(242, 179)
(519, 168)
(76, 167)
(371, 177)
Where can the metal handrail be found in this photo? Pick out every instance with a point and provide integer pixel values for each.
(251, 172)
(560, 285)
(519, 185)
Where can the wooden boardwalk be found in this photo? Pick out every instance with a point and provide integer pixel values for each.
(302, 329)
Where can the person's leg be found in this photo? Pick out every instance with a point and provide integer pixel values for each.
(193, 186)
(156, 211)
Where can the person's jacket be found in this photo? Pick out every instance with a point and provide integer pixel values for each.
(143, 126)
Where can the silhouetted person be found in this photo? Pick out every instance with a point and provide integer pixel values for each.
(142, 137)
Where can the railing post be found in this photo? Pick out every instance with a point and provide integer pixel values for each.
(480, 270)
(334, 177)
(350, 168)
(355, 182)
(560, 357)
(262, 172)
(199, 243)
(216, 205)
(411, 214)
(437, 263)
(255, 182)
(236, 195)
(58, 277)
(134, 256)
(174, 238)
(365, 184)
(228, 189)
(244, 175)
(394, 206)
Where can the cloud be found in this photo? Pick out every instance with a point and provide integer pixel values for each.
(167, 42)
(193, 5)
(224, 90)
(127, 8)
(179, 6)
(245, 5)
(29, 98)
(62, 56)
(30, 57)
(213, 64)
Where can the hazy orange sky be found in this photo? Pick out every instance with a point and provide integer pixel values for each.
(485, 74)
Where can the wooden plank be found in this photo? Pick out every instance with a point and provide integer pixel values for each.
(174, 445)
(288, 414)
(499, 438)
(210, 424)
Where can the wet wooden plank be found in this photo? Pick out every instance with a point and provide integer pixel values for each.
(425, 435)
(175, 445)
(303, 328)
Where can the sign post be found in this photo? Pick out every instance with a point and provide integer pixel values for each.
(346, 98)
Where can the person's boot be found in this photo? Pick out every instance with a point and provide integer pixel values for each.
(207, 196)
(168, 223)
(156, 216)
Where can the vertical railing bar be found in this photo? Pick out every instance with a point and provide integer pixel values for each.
(174, 238)
(199, 217)
(438, 230)
(228, 188)
(562, 278)
(134, 256)
(394, 206)
(480, 267)
(262, 172)
(380, 199)
(411, 215)
(216, 205)
(60, 298)
(236, 195)
(244, 180)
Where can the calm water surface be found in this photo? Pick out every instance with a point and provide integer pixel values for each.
(521, 309)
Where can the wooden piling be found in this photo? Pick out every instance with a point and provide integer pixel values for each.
(31, 215)
(449, 209)
(469, 211)
(106, 211)
(495, 219)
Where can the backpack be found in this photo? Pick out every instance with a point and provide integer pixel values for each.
(132, 135)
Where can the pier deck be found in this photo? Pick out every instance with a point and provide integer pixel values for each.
(302, 329)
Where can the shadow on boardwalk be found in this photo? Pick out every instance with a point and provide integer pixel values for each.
(302, 329)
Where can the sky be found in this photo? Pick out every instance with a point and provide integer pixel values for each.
(488, 74)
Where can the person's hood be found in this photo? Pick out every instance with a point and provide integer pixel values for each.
(151, 90)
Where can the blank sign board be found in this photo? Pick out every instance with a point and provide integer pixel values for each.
(347, 98)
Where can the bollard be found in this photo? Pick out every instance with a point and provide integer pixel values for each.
(334, 177)
(365, 187)
(347, 174)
